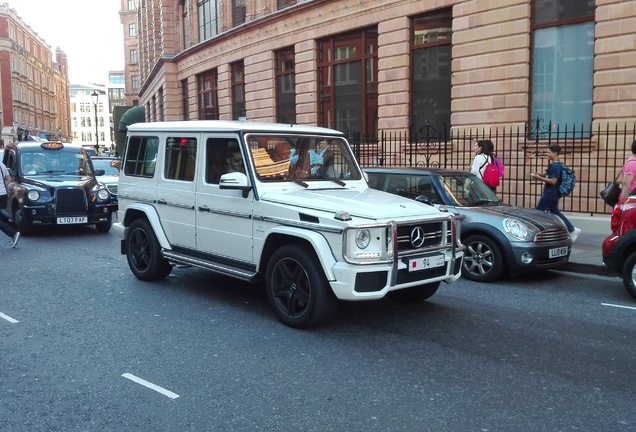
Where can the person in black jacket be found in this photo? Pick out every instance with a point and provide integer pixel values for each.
(5, 227)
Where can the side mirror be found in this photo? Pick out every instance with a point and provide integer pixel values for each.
(235, 180)
(99, 172)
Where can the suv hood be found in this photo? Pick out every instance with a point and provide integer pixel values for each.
(369, 203)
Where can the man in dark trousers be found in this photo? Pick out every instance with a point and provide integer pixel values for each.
(549, 200)
(5, 227)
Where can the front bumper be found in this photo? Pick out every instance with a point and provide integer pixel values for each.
(541, 258)
(39, 215)
(372, 282)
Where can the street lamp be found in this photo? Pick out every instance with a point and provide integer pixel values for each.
(95, 97)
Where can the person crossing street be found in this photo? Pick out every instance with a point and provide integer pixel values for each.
(5, 227)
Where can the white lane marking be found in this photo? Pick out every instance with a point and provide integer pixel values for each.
(8, 318)
(618, 306)
(150, 385)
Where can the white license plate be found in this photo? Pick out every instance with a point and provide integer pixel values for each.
(426, 263)
(72, 220)
(558, 252)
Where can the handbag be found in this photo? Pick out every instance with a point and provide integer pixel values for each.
(612, 192)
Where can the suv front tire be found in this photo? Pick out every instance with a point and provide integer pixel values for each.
(143, 253)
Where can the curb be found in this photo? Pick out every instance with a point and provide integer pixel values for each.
(598, 270)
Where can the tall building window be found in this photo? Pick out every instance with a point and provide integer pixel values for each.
(132, 5)
(132, 56)
(208, 18)
(348, 70)
(134, 82)
(284, 3)
(285, 86)
(562, 62)
(132, 30)
(431, 70)
(207, 88)
(238, 89)
(239, 10)
(160, 105)
(185, 100)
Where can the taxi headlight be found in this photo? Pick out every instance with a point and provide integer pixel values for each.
(515, 228)
(102, 194)
(33, 195)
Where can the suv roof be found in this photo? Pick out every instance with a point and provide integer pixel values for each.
(229, 126)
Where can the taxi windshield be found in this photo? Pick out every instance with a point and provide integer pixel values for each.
(62, 162)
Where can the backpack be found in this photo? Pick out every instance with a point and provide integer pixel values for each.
(491, 174)
(500, 165)
(567, 181)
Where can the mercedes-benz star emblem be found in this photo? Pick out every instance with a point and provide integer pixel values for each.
(417, 237)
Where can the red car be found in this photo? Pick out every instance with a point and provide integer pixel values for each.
(619, 248)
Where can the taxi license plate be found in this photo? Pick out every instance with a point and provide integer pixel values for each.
(426, 263)
(558, 252)
(72, 220)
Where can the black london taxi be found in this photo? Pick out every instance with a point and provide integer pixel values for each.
(54, 183)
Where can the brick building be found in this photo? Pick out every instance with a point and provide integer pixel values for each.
(34, 88)
(460, 66)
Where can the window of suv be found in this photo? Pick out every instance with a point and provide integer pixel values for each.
(141, 157)
(181, 153)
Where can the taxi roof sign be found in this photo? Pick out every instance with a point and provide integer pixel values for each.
(52, 145)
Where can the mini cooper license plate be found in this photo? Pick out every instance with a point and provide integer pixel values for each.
(558, 252)
(426, 262)
(72, 220)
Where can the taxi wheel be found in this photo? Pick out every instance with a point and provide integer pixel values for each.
(21, 224)
(297, 288)
(414, 294)
(104, 227)
(143, 253)
(483, 261)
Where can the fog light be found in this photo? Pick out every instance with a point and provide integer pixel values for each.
(105, 210)
(526, 258)
(34, 212)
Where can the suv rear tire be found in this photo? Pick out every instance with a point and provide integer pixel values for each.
(143, 252)
(629, 274)
(297, 288)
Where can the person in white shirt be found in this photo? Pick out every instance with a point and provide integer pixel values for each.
(5, 227)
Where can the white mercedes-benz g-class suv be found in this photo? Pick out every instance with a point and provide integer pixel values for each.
(283, 204)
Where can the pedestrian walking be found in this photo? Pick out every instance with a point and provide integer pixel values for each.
(550, 197)
(5, 227)
(629, 174)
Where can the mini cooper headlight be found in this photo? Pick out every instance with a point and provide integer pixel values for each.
(102, 194)
(515, 228)
(33, 195)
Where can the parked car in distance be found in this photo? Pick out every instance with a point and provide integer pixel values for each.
(54, 183)
(499, 238)
(619, 248)
(110, 178)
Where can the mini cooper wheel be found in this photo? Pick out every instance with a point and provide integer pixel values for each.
(483, 261)
(414, 294)
(297, 288)
(144, 253)
(629, 274)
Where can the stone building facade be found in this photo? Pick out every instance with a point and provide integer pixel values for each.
(34, 88)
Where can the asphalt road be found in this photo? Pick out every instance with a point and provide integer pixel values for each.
(85, 346)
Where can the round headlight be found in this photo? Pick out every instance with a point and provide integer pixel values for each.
(102, 194)
(516, 228)
(33, 195)
(363, 238)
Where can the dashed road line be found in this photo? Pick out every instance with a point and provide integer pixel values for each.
(618, 306)
(8, 318)
(151, 386)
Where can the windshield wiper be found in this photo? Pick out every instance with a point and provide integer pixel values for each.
(333, 179)
(485, 202)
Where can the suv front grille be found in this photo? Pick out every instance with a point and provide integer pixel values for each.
(432, 234)
(70, 201)
(553, 235)
(112, 188)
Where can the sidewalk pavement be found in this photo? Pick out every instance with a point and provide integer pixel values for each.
(586, 255)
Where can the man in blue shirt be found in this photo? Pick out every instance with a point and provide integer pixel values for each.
(549, 200)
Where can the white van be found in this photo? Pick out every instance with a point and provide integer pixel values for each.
(286, 204)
